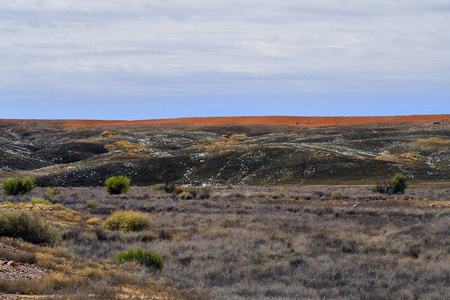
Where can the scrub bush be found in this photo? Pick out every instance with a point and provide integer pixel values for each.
(170, 188)
(29, 227)
(40, 201)
(128, 221)
(15, 186)
(117, 184)
(145, 257)
(336, 195)
(91, 204)
(51, 191)
(397, 185)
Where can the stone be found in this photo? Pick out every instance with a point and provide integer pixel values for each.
(11, 263)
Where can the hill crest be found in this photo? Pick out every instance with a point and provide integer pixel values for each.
(250, 120)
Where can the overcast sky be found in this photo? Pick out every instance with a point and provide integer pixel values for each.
(145, 59)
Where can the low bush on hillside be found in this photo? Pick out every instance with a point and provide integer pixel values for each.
(91, 204)
(158, 187)
(170, 188)
(178, 190)
(16, 186)
(128, 221)
(18, 256)
(29, 227)
(51, 191)
(40, 201)
(397, 185)
(117, 184)
(145, 257)
(185, 196)
(192, 192)
(336, 195)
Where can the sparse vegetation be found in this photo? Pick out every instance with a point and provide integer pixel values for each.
(291, 236)
(16, 186)
(197, 192)
(336, 195)
(51, 191)
(178, 190)
(91, 204)
(28, 226)
(158, 187)
(128, 221)
(170, 188)
(43, 201)
(145, 257)
(117, 184)
(242, 244)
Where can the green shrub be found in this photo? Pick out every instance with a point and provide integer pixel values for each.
(128, 221)
(397, 185)
(145, 257)
(118, 184)
(11, 186)
(51, 191)
(29, 227)
(15, 186)
(40, 201)
(170, 188)
(91, 204)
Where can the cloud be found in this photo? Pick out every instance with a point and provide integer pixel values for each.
(175, 46)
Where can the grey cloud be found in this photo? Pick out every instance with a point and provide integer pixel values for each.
(167, 45)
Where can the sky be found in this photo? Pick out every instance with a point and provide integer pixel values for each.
(151, 59)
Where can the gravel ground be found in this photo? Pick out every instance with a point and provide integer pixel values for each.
(11, 270)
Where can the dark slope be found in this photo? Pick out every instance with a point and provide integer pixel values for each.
(236, 154)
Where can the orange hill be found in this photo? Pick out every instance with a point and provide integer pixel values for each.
(266, 120)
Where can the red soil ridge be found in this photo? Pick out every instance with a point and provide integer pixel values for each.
(263, 120)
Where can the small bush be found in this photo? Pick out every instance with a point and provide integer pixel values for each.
(91, 204)
(145, 257)
(158, 187)
(197, 193)
(40, 201)
(8, 205)
(185, 195)
(51, 191)
(128, 221)
(336, 195)
(178, 190)
(170, 188)
(94, 221)
(15, 186)
(19, 256)
(29, 227)
(204, 193)
(397, 185)
(117, 184)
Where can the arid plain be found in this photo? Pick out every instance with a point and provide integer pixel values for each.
(266, 207)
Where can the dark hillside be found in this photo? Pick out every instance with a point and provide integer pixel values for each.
(228, 154)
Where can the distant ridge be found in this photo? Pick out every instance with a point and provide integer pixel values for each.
(262, 120)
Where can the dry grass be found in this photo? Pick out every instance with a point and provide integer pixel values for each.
(255, 243)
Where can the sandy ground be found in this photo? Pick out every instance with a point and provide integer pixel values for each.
(265, 120)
